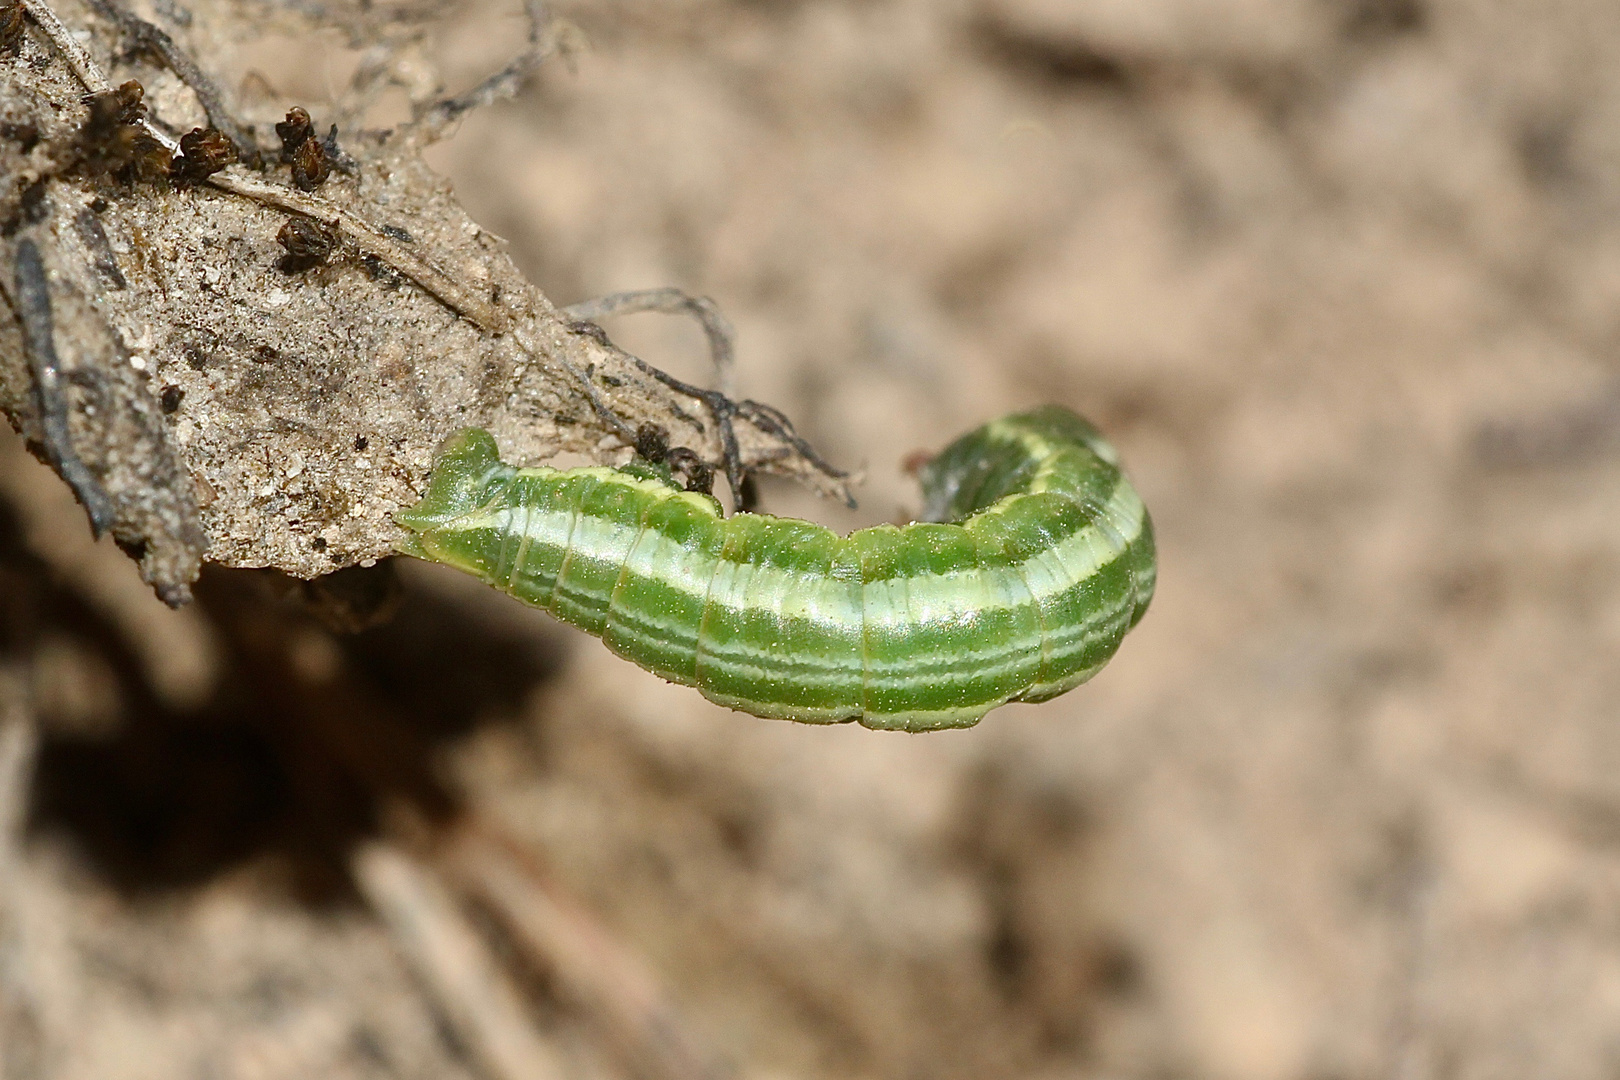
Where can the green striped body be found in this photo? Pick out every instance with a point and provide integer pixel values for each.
(1041, 562)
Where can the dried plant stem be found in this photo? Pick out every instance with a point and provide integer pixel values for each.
(524, 363)
(591, 969)
(671, 301)
(476, 996)
(17, 745)
(78, 57)
(371, 239)
(435, 118)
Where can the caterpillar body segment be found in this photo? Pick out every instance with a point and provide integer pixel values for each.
(1041, 559)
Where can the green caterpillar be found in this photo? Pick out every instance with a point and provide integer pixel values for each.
(1037, 558)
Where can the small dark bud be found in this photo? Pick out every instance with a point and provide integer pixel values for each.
(308, 243)
(310, 167)
(652, 443)
(698, 474)
(149, 159)
(112, 142)
(294, 131)
(203, 152)
(124, 104)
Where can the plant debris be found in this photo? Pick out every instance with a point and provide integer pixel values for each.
(195, 353)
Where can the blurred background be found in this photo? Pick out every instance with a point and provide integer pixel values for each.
(1341, 279)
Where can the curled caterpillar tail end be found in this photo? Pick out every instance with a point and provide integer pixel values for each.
(460, 473)
(1058, 424)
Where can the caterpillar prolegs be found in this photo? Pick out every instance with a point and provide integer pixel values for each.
(1037, 558)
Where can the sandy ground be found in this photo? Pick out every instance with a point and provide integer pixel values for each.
(1342, 281)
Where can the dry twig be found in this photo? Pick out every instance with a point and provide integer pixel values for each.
(671, 301)
(17, 744)
(592, 969)
(545, 36)
(372, 239)
(476, 997)
(22, 1043)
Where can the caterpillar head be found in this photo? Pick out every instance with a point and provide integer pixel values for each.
(466, 465)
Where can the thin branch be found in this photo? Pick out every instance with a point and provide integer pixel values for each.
(772, 421)
(32, 298)
(671, 301)
(78, 57)
(591, 968)
(435, 117)
(476, 309)
(604, 412)
(720, 407)
(767, 419)
(18, 744)
(472, 991)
